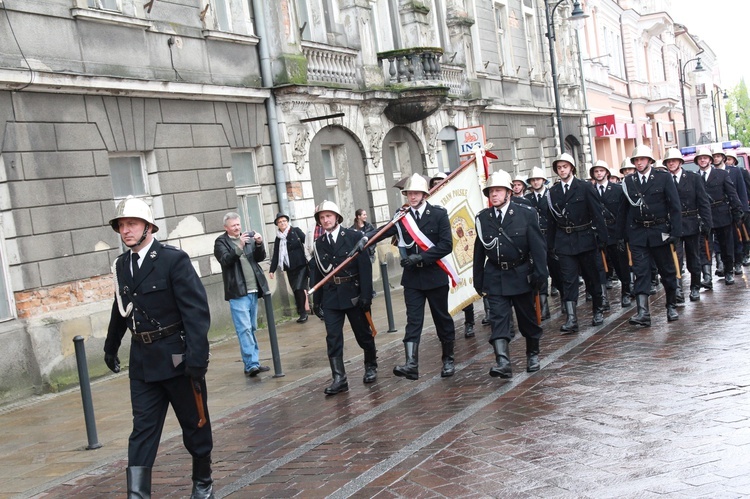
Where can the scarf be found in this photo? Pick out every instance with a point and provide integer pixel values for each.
(283, 254)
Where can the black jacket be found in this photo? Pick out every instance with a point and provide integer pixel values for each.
(611, 200)
(658, 213)
(225, 252)
(696, 208)
(576, 222)
(295, 248)
(723, 197)
(169, 291)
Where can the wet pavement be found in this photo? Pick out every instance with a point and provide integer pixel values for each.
(615, 411)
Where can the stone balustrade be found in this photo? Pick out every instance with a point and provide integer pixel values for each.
(417, 64)
(329, 64)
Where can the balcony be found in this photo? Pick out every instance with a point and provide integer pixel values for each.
(664, 97)
(328, 64)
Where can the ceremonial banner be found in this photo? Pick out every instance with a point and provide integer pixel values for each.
(461, 194)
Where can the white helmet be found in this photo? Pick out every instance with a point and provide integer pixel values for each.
(131, 207)
(564, 157)
(703, 151)
(717, 149)
(499, 178)
(437, 178)
(673, 153)
(626, 165)
(521, 178)
(537, 172)
(642, 152)
(600, 163)
(416, 183)
(328, 206)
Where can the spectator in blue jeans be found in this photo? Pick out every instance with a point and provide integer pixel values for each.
(238, 254)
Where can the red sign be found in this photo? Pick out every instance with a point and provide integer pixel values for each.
(605, 126)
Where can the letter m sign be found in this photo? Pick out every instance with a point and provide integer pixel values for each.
(605, 125)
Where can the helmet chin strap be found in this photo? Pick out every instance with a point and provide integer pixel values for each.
(143, 237)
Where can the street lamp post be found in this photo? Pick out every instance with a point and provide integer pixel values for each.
(698, 69)
(576, 15)
(716, 105)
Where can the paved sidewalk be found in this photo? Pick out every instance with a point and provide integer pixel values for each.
(616, 411)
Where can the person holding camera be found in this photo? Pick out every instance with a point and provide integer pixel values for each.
(289, 256)
(238, 254)
(510, 266)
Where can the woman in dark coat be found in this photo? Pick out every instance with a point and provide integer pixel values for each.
(289, 256)
(361, 224)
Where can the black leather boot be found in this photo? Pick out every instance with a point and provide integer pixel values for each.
(643, 315)
(672, 314)
(695, 293)
(729, 274)
(625, 298)
(544, 303)
(139, 482)
(503, 368)
(532, 355)
(737, 268)
(746, 254)
(605, 299)
(203, 484)
(719, 266)
(571, 325)
(340, 383)
(679, 295)
(706, 282)
(410, 370)
(371, 366)
(468, 330)
(449, 369)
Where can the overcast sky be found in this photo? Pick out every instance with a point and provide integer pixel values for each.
(723, 24)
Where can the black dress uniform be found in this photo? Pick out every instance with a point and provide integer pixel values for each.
(424, 282)
(576, 232)
(538, 200)
(696, 219)
(509, 255)
(169, 324)
(611, 198)
(650, 220)
(726, 211)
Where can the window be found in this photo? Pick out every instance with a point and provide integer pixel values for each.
(400, 159)
(113, 5)
(128, 176)
(447, 156)
(503, 39)
(303, 19)
(249, 202)
(333, 157)
(222, 14)
(532, 42)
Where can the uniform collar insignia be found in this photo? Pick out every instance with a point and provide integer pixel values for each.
(427, 212)
(510, 212)
(152, 254)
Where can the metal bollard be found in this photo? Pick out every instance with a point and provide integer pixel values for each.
(272, 336)
(88, 404)
(387, 295)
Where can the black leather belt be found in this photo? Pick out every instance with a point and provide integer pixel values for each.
(651, 223)
(690, 213)
(718, 203)
(151, 336)
(609, 221)
(544, 231)
(569, 229)
(342, 280)
(510, 265)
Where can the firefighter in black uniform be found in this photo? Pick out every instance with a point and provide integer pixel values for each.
(696, 219)
(423, 280)
(650, 221)
(610, 196)
(509, 265)
(347, 295)
(163, 303)
(538, 199)
(732, 161)
(726, 213)
(577, 234)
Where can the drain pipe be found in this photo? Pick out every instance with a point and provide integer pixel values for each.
(273, 120)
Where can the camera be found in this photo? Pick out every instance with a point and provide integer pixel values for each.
(250, 233)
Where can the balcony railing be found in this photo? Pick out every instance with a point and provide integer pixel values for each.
(328, 64)
(421, 66)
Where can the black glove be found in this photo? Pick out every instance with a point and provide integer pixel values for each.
(113, 362)
(537, 281)
(364, 303)
(705, 229)
(621, 247)
(602, 245)
(358, 248)
(737, 217)
(415, 259)
(405, 262)
(195, 373)
(318, 311)
(673, 240)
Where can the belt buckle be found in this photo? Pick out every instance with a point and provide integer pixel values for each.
(568, 230)
(504, 266)
(420, 264)
(146, 337)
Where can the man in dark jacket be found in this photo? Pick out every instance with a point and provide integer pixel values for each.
(650, 221)
(238, 254)
(696, 218)
(161, 299)
(348, 295)
(509, 264)
(577, 234)
(744, 258)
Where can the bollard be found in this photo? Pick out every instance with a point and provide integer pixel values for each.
(88, 404)
(387, 295)
(272, 336)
